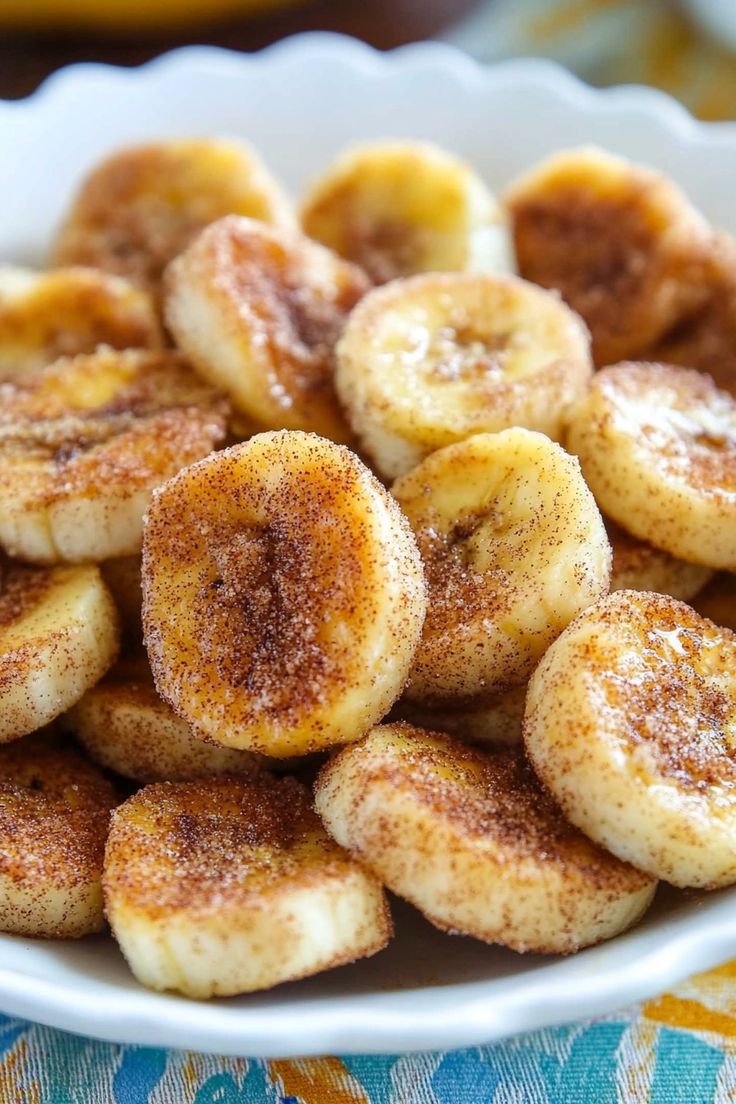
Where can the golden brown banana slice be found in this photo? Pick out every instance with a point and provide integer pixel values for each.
(657, 446)
(83, 443)
(122, 577)
(496, 723)
(434, 359)
(45, 315)
(707, 339)
(229, 886)
(397, 208)
(631, 725)
(621, 243)
(258, 310)
(58, 636)
(141, 206)
(125, 726)
(54, 814)
(513, 548)
(640, 566)
(283, 595)
(717, 601)
(470, 838)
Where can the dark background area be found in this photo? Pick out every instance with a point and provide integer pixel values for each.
(26, 58)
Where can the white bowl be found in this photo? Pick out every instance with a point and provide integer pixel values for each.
(299, 103)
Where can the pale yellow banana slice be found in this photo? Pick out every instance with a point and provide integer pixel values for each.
(398, 208)
(640, 566)
(431, 360)
(125, 726)
(631, 725)
(141, 206)
(83, 443)
(707, 339)
(54, 814)
(471, 839)
(229, 886)
(513, 548)
(657, 446)
(122, 577)
(621, 243)
(718, 601)
(496, 723)
(258, 310)
(283, 595)
(45, 315)
(58, 636)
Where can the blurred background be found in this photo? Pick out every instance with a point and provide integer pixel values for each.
(687, 47)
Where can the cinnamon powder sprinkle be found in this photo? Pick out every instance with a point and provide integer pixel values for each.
(207, 846)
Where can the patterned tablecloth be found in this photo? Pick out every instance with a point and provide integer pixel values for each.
(677, 1049)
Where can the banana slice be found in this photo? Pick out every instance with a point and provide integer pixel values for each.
(83, 443)
(470, 838)
(496, 723)
(125, 726)
(621, 243)
(258, 310)
(45, 315)
(54, 814)
(122, 577)
(707, 339)
(140, 207)
(513, 548)
(229, 886)
(657, 446)
(431, 360)
(397, 208)
(717, 601)
(631, 723)
(283, 595)
(641, 566)
(58, 636)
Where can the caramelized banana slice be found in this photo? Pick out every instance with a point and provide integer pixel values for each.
(718, 601)
(397, 208)
(125, 726)
(496, 723)
(641, 566)
(620, 242)
(283, 595)
(631, 725)
(58, 636)
(657, 446)
(258, 310)
(471, 839)
(83, 443)
(54, 814)
(45, 315)
(513, 548)
(229, 886)
(434, 359)
(141, 206)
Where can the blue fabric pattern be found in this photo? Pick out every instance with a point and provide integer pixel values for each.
(618, 1060)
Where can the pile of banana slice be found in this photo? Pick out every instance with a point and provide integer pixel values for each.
(347, 549)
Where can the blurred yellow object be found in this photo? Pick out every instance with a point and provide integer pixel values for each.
(127, 15)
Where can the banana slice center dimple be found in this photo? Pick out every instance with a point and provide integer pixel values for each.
(679, 708)
(698, 424)
(62, 439)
